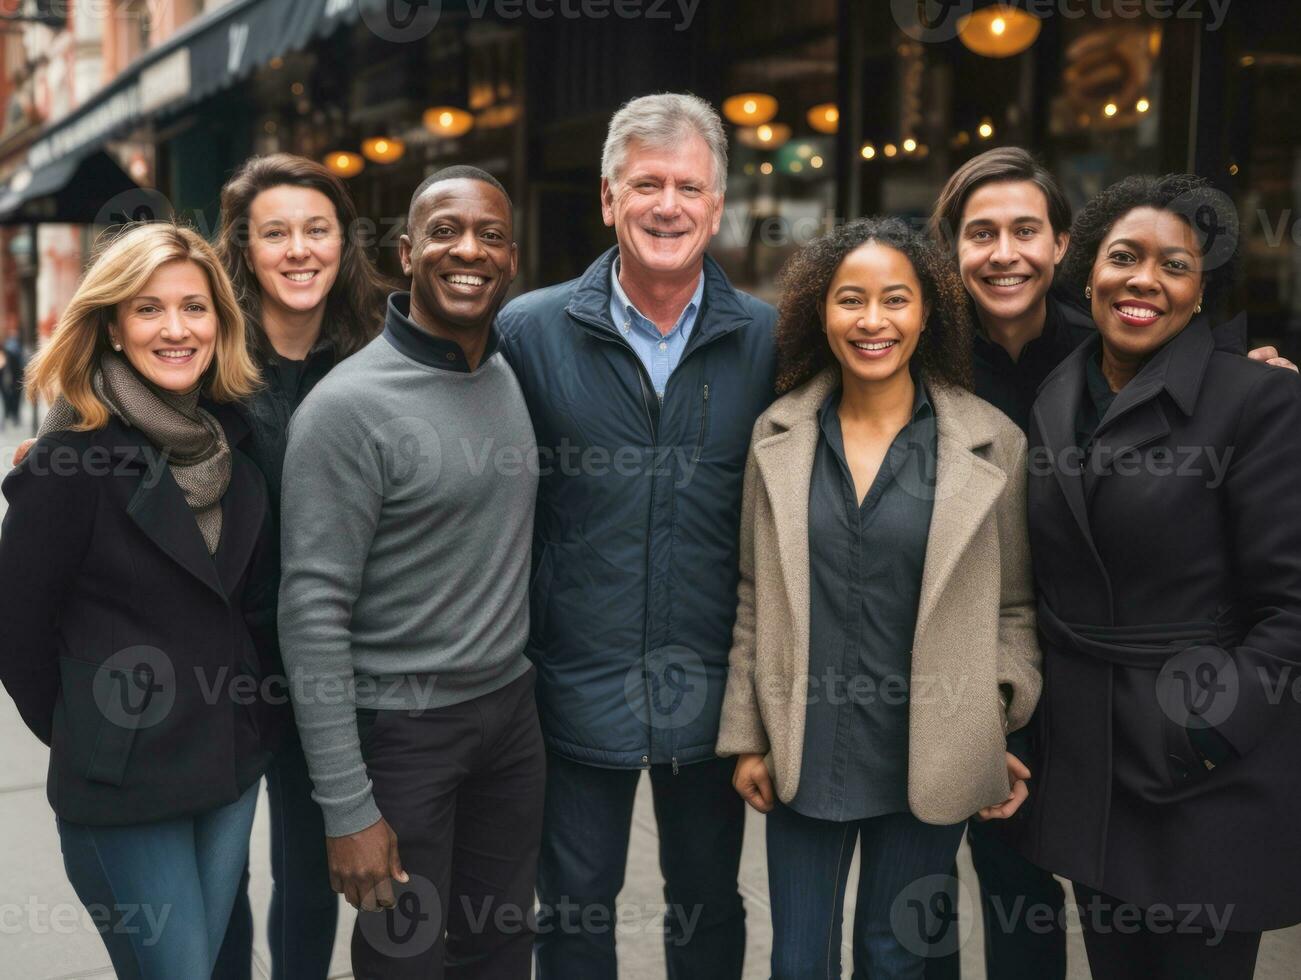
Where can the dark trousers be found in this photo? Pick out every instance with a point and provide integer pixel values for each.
(462, 788)
(588, 821)
(900, 911)
(1022, 909)
(304, 911)
(1125, 942)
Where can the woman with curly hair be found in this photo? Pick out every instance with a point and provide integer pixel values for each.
(1166, 534)
(884, 640)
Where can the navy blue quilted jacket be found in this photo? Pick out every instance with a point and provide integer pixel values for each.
(639, 506)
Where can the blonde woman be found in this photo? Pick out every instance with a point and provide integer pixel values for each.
(134, 526)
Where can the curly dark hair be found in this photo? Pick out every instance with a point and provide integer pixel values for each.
(1209, 212)
(944, 350)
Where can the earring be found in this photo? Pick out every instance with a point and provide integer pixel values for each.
(1088, 292)
(1197, 308)
(117, 346)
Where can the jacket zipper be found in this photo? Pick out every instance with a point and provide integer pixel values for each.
(654, 434)
(645, 376)
(646, 385)
(704, 421)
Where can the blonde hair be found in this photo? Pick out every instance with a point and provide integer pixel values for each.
(122, 266)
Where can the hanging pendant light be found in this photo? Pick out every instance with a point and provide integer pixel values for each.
(344, 164)
(448, 121)
(768, 136)
(383, 149)
(998, 31)
(824, 117)
(750, 108)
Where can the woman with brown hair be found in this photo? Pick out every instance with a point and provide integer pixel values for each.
(129, 574)
(884, 640)
(311, 297)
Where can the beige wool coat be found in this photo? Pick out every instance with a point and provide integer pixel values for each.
(975, 657)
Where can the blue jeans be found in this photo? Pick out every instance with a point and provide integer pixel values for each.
(586, 825)
(161, 893)
(304, 912)
(904, 867)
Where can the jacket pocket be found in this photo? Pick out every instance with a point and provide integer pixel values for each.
(104, 708)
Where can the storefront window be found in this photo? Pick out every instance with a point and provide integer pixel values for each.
(1261, 162)
(779, 104)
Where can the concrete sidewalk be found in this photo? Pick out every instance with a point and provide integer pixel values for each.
(45, 935)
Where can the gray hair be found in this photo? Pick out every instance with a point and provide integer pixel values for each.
(662, 121)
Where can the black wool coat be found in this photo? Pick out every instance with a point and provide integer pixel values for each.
(128, 649)
(1168, 569)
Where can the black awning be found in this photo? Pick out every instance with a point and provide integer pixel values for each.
(212, 53)
(71, 190)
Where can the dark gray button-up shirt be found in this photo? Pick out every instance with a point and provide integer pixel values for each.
(865, 574)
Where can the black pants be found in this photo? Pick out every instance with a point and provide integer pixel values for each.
(585, 850)
(462, 788)
(1125, 942)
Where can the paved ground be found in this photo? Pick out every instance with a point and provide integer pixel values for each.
(45, 936)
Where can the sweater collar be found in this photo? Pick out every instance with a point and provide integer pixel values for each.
(423, 347)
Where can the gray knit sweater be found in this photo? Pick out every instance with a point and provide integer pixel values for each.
(407, 523)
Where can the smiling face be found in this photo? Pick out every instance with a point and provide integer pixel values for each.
(295, 246)
(1007, 249)
(168, 331)
(459, 253)
(1146, 281)
(663, 207)
(874, 312)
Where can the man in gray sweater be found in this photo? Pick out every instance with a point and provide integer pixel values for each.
(409, 488)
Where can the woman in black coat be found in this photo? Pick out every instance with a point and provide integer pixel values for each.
(1166, 533)
(135, 525)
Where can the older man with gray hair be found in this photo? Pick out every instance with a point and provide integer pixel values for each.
(644, 377)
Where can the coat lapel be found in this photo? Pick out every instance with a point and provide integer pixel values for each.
(243, 510)
(160, 511)
(966, 488)
(1054, 412)
(785, 461)
(1137, 417)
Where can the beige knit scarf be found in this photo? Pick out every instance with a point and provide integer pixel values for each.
(193, 442)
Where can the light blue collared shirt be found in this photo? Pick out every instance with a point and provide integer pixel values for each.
(659, 352)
